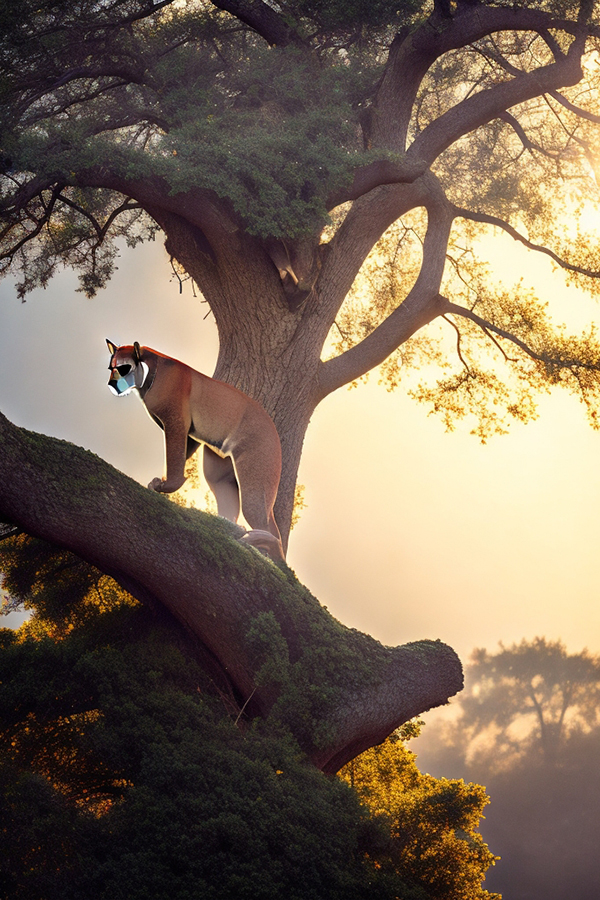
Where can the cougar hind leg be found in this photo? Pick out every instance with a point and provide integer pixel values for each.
(257, 497)
(220, 477)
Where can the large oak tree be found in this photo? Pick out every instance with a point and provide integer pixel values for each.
(281, 149)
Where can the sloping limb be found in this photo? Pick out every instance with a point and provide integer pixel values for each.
(262, 18)
(285, 657)
(421, 306)
(497, 222)
(487, 104)
(582, 113)
(527, 143)
(556, 361)
(487, 326)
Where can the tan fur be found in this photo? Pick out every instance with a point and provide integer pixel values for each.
(242, 453)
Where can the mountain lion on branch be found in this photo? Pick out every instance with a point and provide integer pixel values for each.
(242, 453)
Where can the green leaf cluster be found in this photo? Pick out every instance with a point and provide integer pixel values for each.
(154, 792)
(275, 138)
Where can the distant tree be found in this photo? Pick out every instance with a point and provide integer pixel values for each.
(526, 699)
(126, 770)
(528, 727)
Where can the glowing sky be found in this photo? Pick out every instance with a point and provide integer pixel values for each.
(410, 533)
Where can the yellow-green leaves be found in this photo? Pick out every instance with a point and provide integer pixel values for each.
(433, 822)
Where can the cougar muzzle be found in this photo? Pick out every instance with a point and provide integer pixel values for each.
(122, 379)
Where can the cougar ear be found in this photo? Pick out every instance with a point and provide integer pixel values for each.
(112, 347)
(137, 353)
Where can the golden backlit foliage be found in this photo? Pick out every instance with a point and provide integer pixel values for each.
(299, 504)
(433, 822)
(60, 590)
(188, 493)
(62, 594)
(57, 748)
(490, 365)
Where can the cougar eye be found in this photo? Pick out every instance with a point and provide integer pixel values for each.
(124, 369)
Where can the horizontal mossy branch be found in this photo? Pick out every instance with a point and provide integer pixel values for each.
(338, 690)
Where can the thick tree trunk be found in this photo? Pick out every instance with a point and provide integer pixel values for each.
(283, 655)
(283, 378)
(284, 383)
(266, 349)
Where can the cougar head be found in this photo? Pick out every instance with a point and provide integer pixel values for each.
(127, 370)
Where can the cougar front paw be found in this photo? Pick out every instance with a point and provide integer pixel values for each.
(164, 486)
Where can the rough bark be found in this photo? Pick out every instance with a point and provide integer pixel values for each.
(282, 654)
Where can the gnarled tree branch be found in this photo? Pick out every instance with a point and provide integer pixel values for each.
(262, 18)
(466, 116)
(527, 143)
(582, 113)
(267, 634)
(411, 60)
(548, 359)
(486, 326)
(488, 104)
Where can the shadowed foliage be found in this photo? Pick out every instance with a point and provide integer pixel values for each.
(126, 771)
